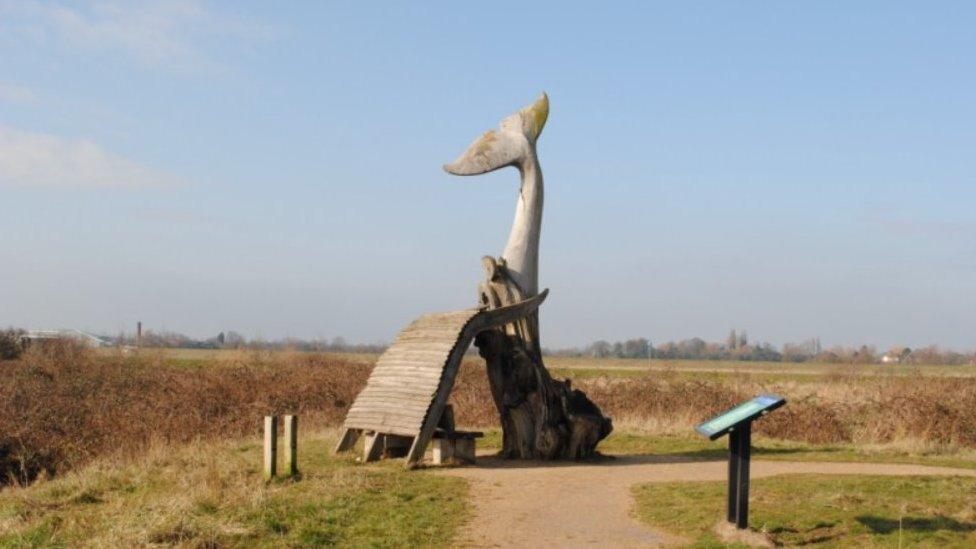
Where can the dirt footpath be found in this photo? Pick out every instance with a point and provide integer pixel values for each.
(526, 504)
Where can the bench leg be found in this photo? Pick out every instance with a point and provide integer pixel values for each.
(443, 451)
(347, 441)
(464, 450)
(373, 448)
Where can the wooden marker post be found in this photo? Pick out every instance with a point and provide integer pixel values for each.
(270, 447)
(291, 448)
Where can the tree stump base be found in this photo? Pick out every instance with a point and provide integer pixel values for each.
(541, 417)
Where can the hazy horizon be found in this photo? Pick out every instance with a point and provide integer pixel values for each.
(794, 170)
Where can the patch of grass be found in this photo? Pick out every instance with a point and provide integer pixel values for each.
(212, 494)
(836, 511)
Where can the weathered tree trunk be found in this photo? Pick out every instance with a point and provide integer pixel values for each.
(542, 417)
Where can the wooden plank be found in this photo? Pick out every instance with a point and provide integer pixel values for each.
(429, 342)
(399, 431)
(404, 353)
(394, 380)
(431, 334)
(348, 440)
(382, 405)
(416, 360)
(291, 445)
(415, 389)
(481, 321)
(409, 386)
(407, 391)
(415, 379)
(410, 373)
(389, 385)
(434, 336)
(407, 370)
(406, 409)
(379, 419)
(270, 447)
(406, 381)
(381, 425)
(420, 367)
(384, 423)
(373, 447)
(386, 416)
(397, 398)
(405, 387)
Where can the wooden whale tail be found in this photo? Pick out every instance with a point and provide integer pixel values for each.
(507, 146)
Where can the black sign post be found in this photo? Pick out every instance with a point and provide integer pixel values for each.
(737, 423)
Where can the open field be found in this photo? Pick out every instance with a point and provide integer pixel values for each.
(60, 409)
(624, 367)
(162, 447)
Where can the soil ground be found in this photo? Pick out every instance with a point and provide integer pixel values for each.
(532, 504)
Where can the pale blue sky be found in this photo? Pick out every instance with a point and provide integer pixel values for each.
(793, 169)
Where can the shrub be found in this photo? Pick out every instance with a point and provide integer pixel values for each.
(11, 343)
(61, 404)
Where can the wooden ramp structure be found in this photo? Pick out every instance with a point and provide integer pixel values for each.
(404, 398)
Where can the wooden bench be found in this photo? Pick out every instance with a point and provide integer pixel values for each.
(402, 405)
(450, 445)
(455, 446)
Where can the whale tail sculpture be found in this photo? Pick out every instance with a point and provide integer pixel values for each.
(508, 146)
(542, 418)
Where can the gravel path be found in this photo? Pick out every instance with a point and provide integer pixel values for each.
(526, 504)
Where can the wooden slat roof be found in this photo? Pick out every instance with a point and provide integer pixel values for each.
(408, 388)
(406, 377)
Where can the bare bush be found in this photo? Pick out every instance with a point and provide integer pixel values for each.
(61, 405)
(11, 343)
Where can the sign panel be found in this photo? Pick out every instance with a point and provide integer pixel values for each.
(747, 411)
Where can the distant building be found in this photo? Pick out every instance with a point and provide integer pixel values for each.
(896, 355)
(40, 336)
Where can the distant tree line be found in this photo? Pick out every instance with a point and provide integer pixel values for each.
(738, 347)
(234, 340)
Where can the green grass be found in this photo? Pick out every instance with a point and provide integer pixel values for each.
(826, 510)
(213, 495)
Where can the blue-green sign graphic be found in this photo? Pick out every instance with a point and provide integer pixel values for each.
(747, 411)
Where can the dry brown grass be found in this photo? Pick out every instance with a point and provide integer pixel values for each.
(62, 406)
(921, 412)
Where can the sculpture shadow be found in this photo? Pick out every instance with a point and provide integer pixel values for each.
(623, 460)
(882, 525)
(495, 462)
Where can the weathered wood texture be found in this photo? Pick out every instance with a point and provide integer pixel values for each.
(291, 445)
(406, 377)
(270, 447)
(408, 389)
(541, 417)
